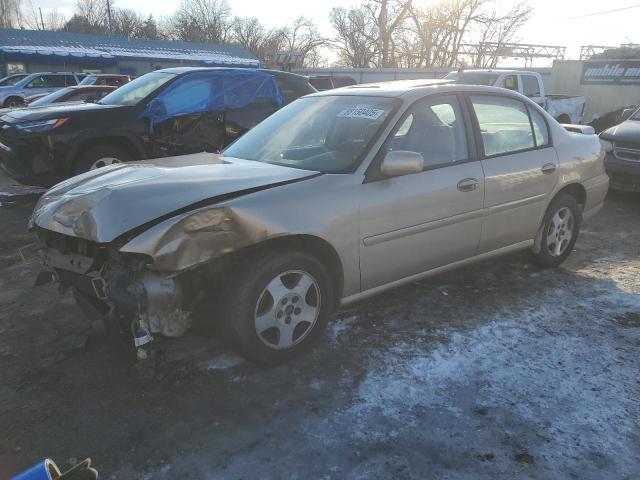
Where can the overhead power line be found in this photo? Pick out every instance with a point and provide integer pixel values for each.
(605, 12)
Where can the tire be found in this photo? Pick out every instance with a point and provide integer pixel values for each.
(557, 241)
(106, 154)
(289, 324)
(12, 102)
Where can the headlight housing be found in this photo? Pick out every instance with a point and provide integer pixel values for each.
(38, 126)
(607, 145)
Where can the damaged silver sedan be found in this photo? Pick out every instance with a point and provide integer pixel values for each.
(336, 197)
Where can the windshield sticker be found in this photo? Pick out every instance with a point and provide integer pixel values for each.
(361, 111)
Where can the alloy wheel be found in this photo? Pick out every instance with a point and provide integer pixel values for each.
(560, 232)
(287, 309)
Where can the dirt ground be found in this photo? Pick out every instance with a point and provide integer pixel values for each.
(500, 370)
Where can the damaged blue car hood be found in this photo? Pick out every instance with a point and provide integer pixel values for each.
(103, 204)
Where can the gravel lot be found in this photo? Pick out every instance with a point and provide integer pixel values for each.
(500, 370)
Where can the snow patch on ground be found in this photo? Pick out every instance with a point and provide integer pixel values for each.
(493, 365)
(222, 361)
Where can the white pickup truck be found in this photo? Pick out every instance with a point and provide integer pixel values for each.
(567, 109)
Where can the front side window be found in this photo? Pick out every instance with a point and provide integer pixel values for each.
(328, 134)
(435, 129)
(504, 124)
(530, 86)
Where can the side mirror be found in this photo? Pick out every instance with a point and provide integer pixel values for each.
(401, 162)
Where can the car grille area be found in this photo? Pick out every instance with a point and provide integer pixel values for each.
(66, 244)
(627, 151)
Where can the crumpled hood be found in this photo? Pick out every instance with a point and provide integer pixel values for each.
(628, 131)
(100, 205)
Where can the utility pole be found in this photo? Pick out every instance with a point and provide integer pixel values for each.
(41, 20)
(109, 16)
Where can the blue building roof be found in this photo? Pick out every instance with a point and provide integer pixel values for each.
(21, 45)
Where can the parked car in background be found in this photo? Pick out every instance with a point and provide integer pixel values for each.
(12, 79)
(163, 113)
(110, 79)
(78, 93)
(36, 83)
(328, 82)
(567, 109)
(622, 160)
(379, 186)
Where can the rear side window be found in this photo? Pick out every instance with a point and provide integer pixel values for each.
(504, 124)
(540, 128)
(435, 129)
(510, 82)
(530, 86)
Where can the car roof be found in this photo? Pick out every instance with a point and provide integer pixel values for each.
(106, 75)
(184, 70)
(410, 89)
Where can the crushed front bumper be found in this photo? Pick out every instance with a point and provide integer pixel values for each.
(104, 285)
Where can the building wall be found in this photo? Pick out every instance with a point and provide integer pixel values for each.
(601, 99)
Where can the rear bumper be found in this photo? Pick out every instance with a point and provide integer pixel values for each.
(30, 163)
(624, 174)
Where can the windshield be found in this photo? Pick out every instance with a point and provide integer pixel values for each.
(8, 81)
(52, 97)
(326, 134)
(471, 78)
(133, 92)
(23, 81)
(89, 80)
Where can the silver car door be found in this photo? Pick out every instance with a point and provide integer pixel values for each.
(520, 167)
(413, 223)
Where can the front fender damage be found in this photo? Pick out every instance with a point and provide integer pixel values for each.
(199, 237)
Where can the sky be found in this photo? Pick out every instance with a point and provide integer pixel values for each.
(569, 23)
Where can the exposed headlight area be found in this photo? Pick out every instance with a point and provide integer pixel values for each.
(607, 145)
(39, 126)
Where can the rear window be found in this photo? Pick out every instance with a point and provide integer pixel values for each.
(471, 78)
(530, 86)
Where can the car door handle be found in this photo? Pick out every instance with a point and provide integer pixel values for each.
(548, 168)
(468, 184)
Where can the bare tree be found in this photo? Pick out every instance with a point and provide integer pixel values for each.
(388, 16)
(126, 23)
(499, 29)
(201, 21)
(10, 13)
(357, 37)
(250, 34)
(302, 36)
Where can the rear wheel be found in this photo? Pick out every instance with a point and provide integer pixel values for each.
(276, 306)
(559, 231)
(100, 156)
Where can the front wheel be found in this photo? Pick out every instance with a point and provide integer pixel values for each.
(559, 231)
(276, 306)
(100, 156)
